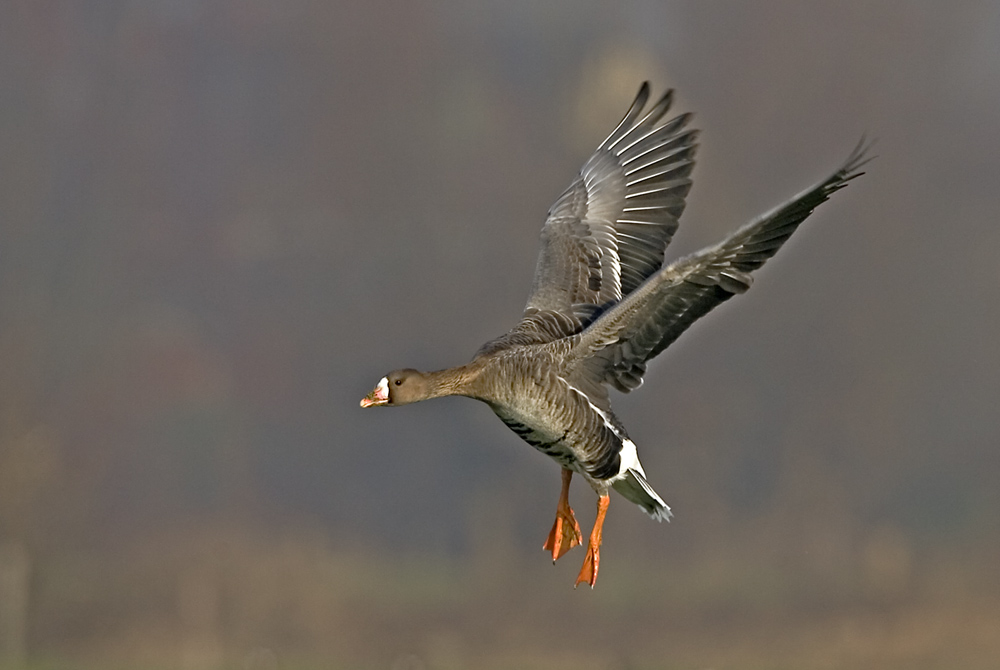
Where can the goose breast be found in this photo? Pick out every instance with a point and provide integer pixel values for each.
(542, 408)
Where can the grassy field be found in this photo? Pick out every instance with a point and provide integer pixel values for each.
(233, 601)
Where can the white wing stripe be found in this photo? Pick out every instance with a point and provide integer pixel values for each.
(594, 407)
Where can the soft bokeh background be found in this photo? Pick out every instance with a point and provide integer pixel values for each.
(221, 221)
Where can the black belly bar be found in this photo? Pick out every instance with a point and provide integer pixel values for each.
(547, 447)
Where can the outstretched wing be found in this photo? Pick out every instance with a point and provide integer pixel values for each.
(607, 232)
(622, 339)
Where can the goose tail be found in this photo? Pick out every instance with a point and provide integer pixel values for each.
(632, 485)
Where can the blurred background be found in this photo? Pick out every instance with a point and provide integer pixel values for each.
(222, 221)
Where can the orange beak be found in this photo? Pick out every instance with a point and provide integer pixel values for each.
(378, 396)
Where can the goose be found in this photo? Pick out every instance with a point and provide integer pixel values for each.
(602, 304)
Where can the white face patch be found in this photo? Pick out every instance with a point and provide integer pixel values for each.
(382, 390)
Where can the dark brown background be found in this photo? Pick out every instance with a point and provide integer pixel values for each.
(222, 221)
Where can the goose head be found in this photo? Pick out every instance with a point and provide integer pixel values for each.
(399, 387)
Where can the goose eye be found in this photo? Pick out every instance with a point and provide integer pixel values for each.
(398, 382)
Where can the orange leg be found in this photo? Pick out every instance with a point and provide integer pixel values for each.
(588, 573)
(565, 533)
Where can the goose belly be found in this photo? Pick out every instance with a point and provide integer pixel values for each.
(546, 436)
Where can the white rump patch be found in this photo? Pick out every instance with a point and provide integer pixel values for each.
(630, 459)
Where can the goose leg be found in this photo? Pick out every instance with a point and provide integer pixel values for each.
(588, 573)
(565, 533)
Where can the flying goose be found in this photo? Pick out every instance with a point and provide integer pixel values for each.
(602, 305)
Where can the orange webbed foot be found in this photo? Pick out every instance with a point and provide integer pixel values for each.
(588, 573)
(592, 561)
(565, 533)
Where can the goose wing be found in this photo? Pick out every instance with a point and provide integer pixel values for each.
(615, 347)
(607, 232)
